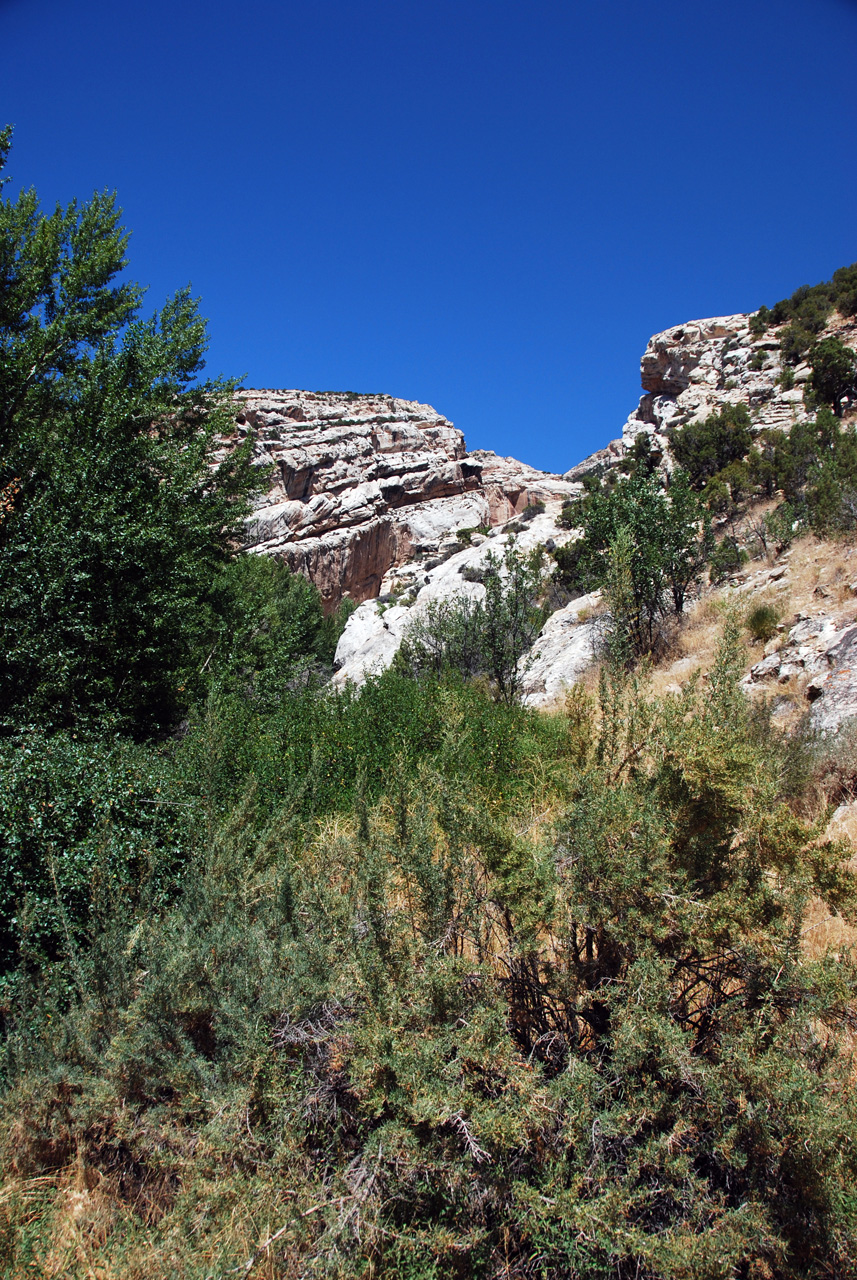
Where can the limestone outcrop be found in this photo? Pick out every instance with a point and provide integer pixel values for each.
(566, 646)
(824, 648)
(695, 369)
(363, 484)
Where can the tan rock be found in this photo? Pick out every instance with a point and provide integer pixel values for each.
(363, 484)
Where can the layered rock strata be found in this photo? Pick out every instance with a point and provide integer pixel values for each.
(363, 484)
(564, 649)
(369, 493)
(695, 369)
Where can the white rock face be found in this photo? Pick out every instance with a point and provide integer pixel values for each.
(362, 484)
(836, 699)
(368, 493)
(695, 369)
(563, 651)
(374, 631)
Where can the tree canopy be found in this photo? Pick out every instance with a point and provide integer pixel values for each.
(115, 515)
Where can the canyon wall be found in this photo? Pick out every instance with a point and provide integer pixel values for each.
(695, 369)
(363, 484)
(368, 493)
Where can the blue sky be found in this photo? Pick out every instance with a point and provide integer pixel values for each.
(487, 205)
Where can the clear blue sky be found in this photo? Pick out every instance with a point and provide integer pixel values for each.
(488, 205)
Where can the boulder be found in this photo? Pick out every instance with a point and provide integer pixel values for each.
(836, 698)
(566, 647)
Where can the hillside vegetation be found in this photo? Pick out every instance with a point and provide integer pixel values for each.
(407, 981)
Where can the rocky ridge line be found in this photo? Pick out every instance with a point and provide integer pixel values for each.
(364, 484)
(695, 369)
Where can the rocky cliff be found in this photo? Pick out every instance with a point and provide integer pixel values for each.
(361, 485)
(369, 493)
(695, 369)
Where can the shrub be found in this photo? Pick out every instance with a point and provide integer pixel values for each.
(532, 509)
(465, 535)
(795, 456)
(83, 823)
(590, 1047)
(762, 621)
(642, 456)
(716, 496)
(831, 491)
(759, 322)
(807, 310)
(571, 515)
(781, 525)
(488, 635)
(834, 372)
(726, 559)
(704, 448)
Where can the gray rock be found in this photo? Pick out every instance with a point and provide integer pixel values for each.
(565, 648)
(837, 700)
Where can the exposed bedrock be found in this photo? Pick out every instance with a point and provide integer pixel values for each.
(697, 368)
(362, 484)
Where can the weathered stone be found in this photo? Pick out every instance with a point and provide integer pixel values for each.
(565, 648)
(838, 697)
(763, 670)
(363, 484)
(695, 369)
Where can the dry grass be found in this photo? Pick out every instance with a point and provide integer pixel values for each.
(818, 580)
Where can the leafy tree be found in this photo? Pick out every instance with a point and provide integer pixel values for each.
(121, 513)
(271, 627)
(834, 372)
(831, 490)
(686, 540)
(704, 448)
(665, 545)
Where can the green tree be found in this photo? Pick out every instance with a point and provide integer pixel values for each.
(121, 510)
(687, 540)
(704, 448)
(664, 543)
(834, 372)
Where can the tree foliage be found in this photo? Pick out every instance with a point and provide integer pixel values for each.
(118, 517)
(649, 544)
(432, 1040)
(483, 632)
(702, 449)
(834, 372)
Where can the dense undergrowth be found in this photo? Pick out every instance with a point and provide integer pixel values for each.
(540, 1011)
(406, 982)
